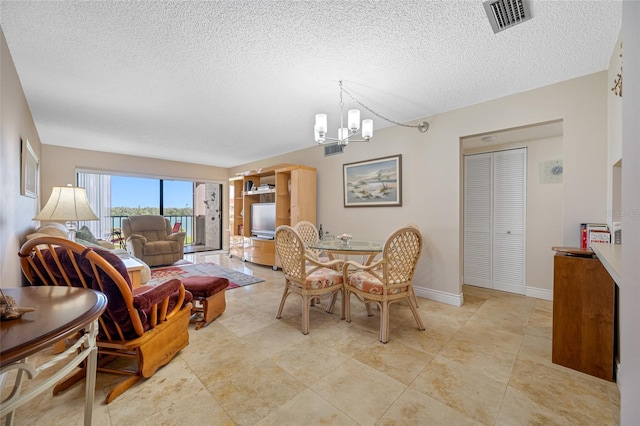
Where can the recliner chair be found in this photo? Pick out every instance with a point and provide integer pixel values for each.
(151, 239)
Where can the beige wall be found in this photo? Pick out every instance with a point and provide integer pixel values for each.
(16, 210)
(60, 165)
(432, 175)
(544, 213)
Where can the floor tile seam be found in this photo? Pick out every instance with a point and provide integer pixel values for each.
(393, 403)
(336, 408)
(480, 346)
(441, 401)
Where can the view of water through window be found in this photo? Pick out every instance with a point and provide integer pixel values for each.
(132, 196)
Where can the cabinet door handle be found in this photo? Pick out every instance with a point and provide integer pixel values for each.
(508, 232)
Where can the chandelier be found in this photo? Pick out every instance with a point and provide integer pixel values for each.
(346, 134)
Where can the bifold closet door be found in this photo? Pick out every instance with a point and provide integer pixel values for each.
(495, 220)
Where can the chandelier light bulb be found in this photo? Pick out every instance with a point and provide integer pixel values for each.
(321, 124)
(319, 139)
(353, 119)
(343, 134)
(367, 129)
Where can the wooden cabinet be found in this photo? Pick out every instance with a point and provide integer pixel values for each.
(293, 190)
(583, 313)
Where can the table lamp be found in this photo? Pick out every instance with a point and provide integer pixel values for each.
(68, 203)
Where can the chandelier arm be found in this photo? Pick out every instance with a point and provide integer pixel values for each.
(423, 126)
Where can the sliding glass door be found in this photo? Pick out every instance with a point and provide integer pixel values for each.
(114, 197)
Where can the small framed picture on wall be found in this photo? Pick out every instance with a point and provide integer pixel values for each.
(30, 171)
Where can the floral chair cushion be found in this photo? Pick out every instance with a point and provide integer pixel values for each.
(323, 278)
(366, 282)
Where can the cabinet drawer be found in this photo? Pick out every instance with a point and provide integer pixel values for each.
(262, 252)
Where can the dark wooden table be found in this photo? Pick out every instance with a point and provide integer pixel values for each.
(59, 312)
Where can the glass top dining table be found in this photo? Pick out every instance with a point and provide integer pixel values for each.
(368, 249)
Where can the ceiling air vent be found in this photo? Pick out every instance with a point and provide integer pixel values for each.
(504, 14)
(333, 149)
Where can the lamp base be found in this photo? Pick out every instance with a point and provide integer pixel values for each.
(71, 230)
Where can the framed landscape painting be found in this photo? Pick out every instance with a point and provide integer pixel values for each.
(373, 183)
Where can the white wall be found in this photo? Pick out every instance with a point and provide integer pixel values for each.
(16, 210)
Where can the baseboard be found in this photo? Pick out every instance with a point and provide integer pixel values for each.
(439, 296)
(458, 299)
(539, 293)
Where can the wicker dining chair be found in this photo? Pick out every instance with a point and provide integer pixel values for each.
(305, 276)
(309, 234)
(387, 280)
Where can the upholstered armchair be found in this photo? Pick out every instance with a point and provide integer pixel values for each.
(151, 239)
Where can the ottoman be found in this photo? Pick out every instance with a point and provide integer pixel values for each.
(208, 298)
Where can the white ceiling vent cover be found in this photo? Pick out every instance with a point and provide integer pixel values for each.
(504, 14)
(333, 149)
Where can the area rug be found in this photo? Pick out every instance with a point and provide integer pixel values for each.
(236, 279)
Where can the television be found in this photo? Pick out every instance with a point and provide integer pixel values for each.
(263, 220)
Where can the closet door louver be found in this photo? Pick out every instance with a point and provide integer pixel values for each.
(477, 220)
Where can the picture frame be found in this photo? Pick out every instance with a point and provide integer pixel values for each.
(373, 183)
(30, 168)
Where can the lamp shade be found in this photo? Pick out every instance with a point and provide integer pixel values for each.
(367, 129)
(353, 119)
(67, 203)
(321, 123)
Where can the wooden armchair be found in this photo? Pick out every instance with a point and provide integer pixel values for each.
(304, 275)
(148, 325)
(387, 280)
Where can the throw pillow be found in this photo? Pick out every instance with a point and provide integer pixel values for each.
(53, 229)
(85, 234)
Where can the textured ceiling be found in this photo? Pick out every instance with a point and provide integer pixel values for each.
(228, 82)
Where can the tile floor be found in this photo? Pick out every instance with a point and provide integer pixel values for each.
(487, 362)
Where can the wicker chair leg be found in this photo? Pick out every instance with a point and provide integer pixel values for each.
(415, 315)
(346, 304)
(332, 303)
(284, 297)
(367, 305)
(305, 314)
(384, 322)
(413, 296)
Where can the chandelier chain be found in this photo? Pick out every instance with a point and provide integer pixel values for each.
(418, 126)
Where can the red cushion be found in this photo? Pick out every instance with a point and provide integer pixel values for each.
(203, 286)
